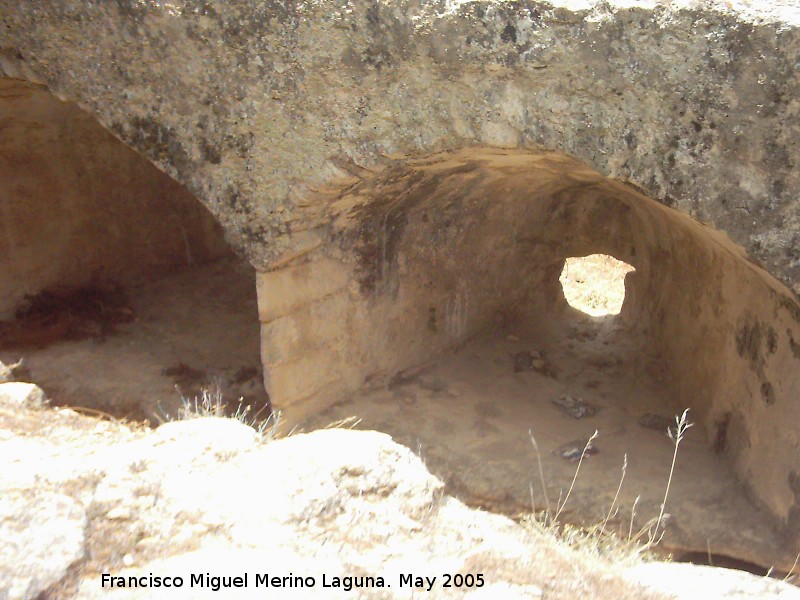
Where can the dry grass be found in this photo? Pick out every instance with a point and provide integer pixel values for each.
(599, 541)
(211, 403)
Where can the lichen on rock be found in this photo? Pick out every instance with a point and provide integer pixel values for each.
(253, 104)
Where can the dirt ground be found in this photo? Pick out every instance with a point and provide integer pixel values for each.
(196, 328)
(469, 414)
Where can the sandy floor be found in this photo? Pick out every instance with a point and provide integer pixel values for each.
(468, 414)
(194, 329)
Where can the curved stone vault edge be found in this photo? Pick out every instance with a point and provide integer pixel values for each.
(253, 105)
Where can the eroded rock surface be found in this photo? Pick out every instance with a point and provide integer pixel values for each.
(256, 105)
(42, 535)
(687, 581)
(211, 496)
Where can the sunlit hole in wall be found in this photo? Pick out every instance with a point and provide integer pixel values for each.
(595, 284)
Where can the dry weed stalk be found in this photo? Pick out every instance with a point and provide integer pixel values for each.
(575, 477)
(791, 574)
(633, 516)
(541, 477)
(653, 530)
(211, 403)
(682, 424)
(616, 496)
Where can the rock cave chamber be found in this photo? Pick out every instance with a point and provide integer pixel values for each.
(413, 285)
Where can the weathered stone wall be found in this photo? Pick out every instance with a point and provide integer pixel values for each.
(252, 104)
(78, 207)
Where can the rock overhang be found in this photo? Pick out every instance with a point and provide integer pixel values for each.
(253, 104)
(271, 113)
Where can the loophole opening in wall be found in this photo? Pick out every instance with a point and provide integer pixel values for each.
(595, 284)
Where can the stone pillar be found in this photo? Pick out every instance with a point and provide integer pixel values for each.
(303, 308)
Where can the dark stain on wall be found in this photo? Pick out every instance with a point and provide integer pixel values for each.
(382, 223)
(721, 433)
(767, 392)
(793, 518)
(795, 347)
(748, 342)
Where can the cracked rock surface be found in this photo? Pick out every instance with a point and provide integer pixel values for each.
(82, 497)
(255, 106)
